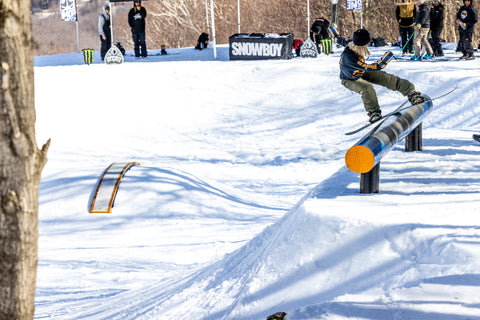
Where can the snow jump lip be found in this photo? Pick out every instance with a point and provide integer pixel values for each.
(369, 150)
(107, 187)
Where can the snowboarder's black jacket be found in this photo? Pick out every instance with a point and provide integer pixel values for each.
(353, 66)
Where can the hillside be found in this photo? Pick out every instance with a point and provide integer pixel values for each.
(242, 205)
(179, 23)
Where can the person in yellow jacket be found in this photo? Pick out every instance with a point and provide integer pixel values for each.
(405, 14)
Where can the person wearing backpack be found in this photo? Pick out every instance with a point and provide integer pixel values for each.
(405, 14)
(104, 31)
(136, 21)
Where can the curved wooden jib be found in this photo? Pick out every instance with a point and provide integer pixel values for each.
(107, 187)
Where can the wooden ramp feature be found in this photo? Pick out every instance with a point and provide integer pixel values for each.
(108, 186)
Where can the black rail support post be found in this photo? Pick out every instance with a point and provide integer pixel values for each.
(413, 141)
(370, 181)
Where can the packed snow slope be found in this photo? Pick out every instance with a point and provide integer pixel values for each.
(242, 205)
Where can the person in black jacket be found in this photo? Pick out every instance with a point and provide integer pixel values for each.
(360, 77)
(320, 34)
(136, 21)
(436, 27)
(466, 19)
(104, 31)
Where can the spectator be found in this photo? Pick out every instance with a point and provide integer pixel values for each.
(466, 19)
(136, 21)
(422, 27)
(436, 27)
(406, 19)
(320, 34)
(104, 31)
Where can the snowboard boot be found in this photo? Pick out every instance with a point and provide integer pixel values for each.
(375, 115)
(428, 56)
(415, 97)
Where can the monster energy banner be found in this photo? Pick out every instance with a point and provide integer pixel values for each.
(260, 46)
(355, 5)
(68, 10)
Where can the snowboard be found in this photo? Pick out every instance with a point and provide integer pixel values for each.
(397, 111)
(476, 137)
(153, 54)
(434, 59)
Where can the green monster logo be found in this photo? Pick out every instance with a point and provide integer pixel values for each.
(88, 55)
(327, 46)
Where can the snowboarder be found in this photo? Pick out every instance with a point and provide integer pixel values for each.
(466, 19)
(104, 31)
(436, 27)
(422, 27)
(359, 77)
(136, 21)
(406, 19)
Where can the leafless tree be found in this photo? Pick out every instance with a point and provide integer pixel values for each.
(21, 163)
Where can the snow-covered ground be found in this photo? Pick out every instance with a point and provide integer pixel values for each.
(242, 205)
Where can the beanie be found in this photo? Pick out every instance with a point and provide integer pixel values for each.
(361, 37)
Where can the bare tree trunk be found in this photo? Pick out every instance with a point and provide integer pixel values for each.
(20, 164)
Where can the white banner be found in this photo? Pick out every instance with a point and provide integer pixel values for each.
(68, 10)
(355, 5)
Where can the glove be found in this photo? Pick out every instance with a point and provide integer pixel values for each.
(417, 26)
(386, 58)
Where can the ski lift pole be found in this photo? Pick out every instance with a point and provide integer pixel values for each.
(308, 18)
(238, 14)
(78, 38)
(111, 22)
(213, 30)
(208, 22)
